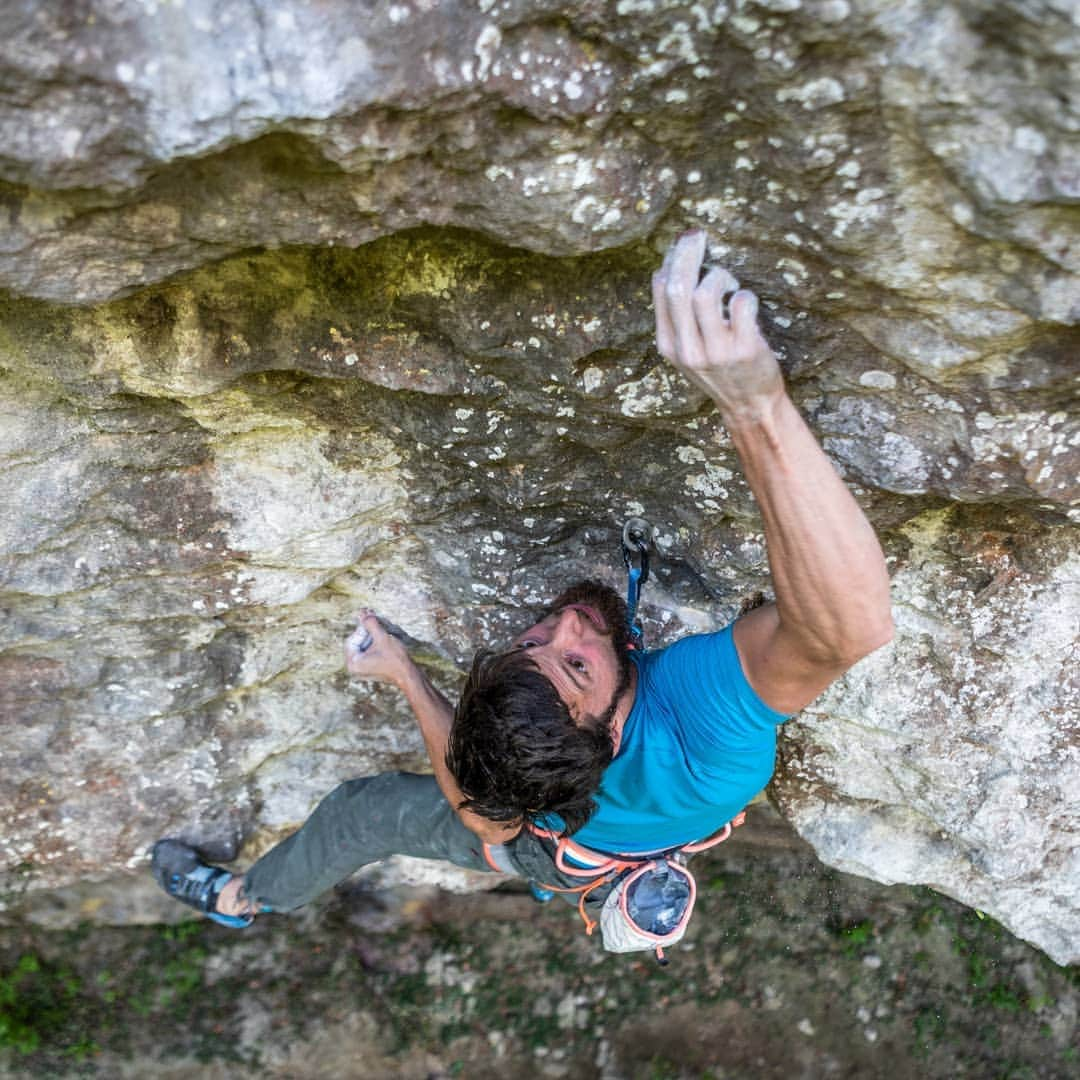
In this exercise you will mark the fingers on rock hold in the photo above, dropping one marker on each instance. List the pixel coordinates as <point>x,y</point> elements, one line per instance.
<point>709,303</point>
<point>665,333</point>
<point>744,312</point>
<point>715,285</point>
<point>681,273</point>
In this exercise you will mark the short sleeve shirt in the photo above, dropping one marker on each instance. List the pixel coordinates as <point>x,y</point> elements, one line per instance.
<point>698,745</point>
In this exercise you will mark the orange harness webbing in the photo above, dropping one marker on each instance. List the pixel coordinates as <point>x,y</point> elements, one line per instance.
<point>601,868</point>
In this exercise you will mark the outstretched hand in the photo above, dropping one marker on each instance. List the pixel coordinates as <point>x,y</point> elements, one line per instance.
<point>385,660</point>
<point>724,355</point>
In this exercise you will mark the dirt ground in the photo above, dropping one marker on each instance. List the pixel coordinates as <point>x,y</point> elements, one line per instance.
<point>789,970</point>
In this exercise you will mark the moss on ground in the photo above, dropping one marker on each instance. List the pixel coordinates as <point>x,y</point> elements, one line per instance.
<point>789,970</point>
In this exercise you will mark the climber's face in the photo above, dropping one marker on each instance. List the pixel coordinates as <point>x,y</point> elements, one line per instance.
<point>580,647</point>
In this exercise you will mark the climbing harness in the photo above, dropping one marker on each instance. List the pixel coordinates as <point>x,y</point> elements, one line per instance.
<point>652,895</point>
<point>636,535</point>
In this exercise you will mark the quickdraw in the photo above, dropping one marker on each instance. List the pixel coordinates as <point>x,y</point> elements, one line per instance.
<point>636,536</point>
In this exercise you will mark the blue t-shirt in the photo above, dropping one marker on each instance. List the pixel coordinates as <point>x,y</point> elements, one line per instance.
<point>698,745</point>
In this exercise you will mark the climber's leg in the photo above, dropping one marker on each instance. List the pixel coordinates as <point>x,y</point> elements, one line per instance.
<point>358,823</point>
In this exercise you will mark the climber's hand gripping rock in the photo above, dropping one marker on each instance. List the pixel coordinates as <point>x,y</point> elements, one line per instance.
<point>384,660</point>
<point>720,351</point>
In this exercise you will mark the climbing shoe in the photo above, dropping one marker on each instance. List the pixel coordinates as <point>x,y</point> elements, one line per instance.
<point>178,869</point>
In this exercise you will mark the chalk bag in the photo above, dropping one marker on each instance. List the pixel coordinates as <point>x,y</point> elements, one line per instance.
<point>649,907</point>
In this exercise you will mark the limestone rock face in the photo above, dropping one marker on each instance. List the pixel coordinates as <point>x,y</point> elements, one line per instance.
<point>309,307</point>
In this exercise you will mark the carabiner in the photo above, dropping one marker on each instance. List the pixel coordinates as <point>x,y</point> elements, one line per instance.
<point>637,533</point>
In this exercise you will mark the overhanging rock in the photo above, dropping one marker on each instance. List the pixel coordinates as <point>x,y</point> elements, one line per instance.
<point>306,310</point>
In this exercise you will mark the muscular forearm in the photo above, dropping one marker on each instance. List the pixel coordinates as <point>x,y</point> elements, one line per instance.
<point>832,588</point>
<point>383,658</point>
<point>434,716</point>
<point>832,591</point>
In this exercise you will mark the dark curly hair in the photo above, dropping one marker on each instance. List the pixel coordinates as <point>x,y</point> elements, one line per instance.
<point>516,752</point>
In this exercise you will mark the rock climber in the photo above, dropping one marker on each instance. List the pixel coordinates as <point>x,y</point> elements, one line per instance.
<point>570,732</point>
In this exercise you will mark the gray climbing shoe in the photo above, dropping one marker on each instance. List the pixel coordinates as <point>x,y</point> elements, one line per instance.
<point>178,869</point>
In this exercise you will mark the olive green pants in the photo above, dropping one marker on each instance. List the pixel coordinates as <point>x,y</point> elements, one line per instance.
<point>374,817</point>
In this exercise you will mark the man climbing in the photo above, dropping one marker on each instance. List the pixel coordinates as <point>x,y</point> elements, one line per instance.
<point>568,731</point>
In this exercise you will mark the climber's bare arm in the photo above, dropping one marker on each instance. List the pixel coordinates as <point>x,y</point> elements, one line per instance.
<point>387,660</point>
<point>832,587</point>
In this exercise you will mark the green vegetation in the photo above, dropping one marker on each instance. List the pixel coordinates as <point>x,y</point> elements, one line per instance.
<point>857,936</point>
<point>36,1004</point>
<point>783,958</point>
<point>929,1025</point>
<point>54,1011</point>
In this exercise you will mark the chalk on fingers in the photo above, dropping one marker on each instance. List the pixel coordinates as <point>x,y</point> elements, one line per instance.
<point>359,640</point>
<point>744,311</point>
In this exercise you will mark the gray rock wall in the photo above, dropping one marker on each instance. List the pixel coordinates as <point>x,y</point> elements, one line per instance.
<point>308,307</point>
